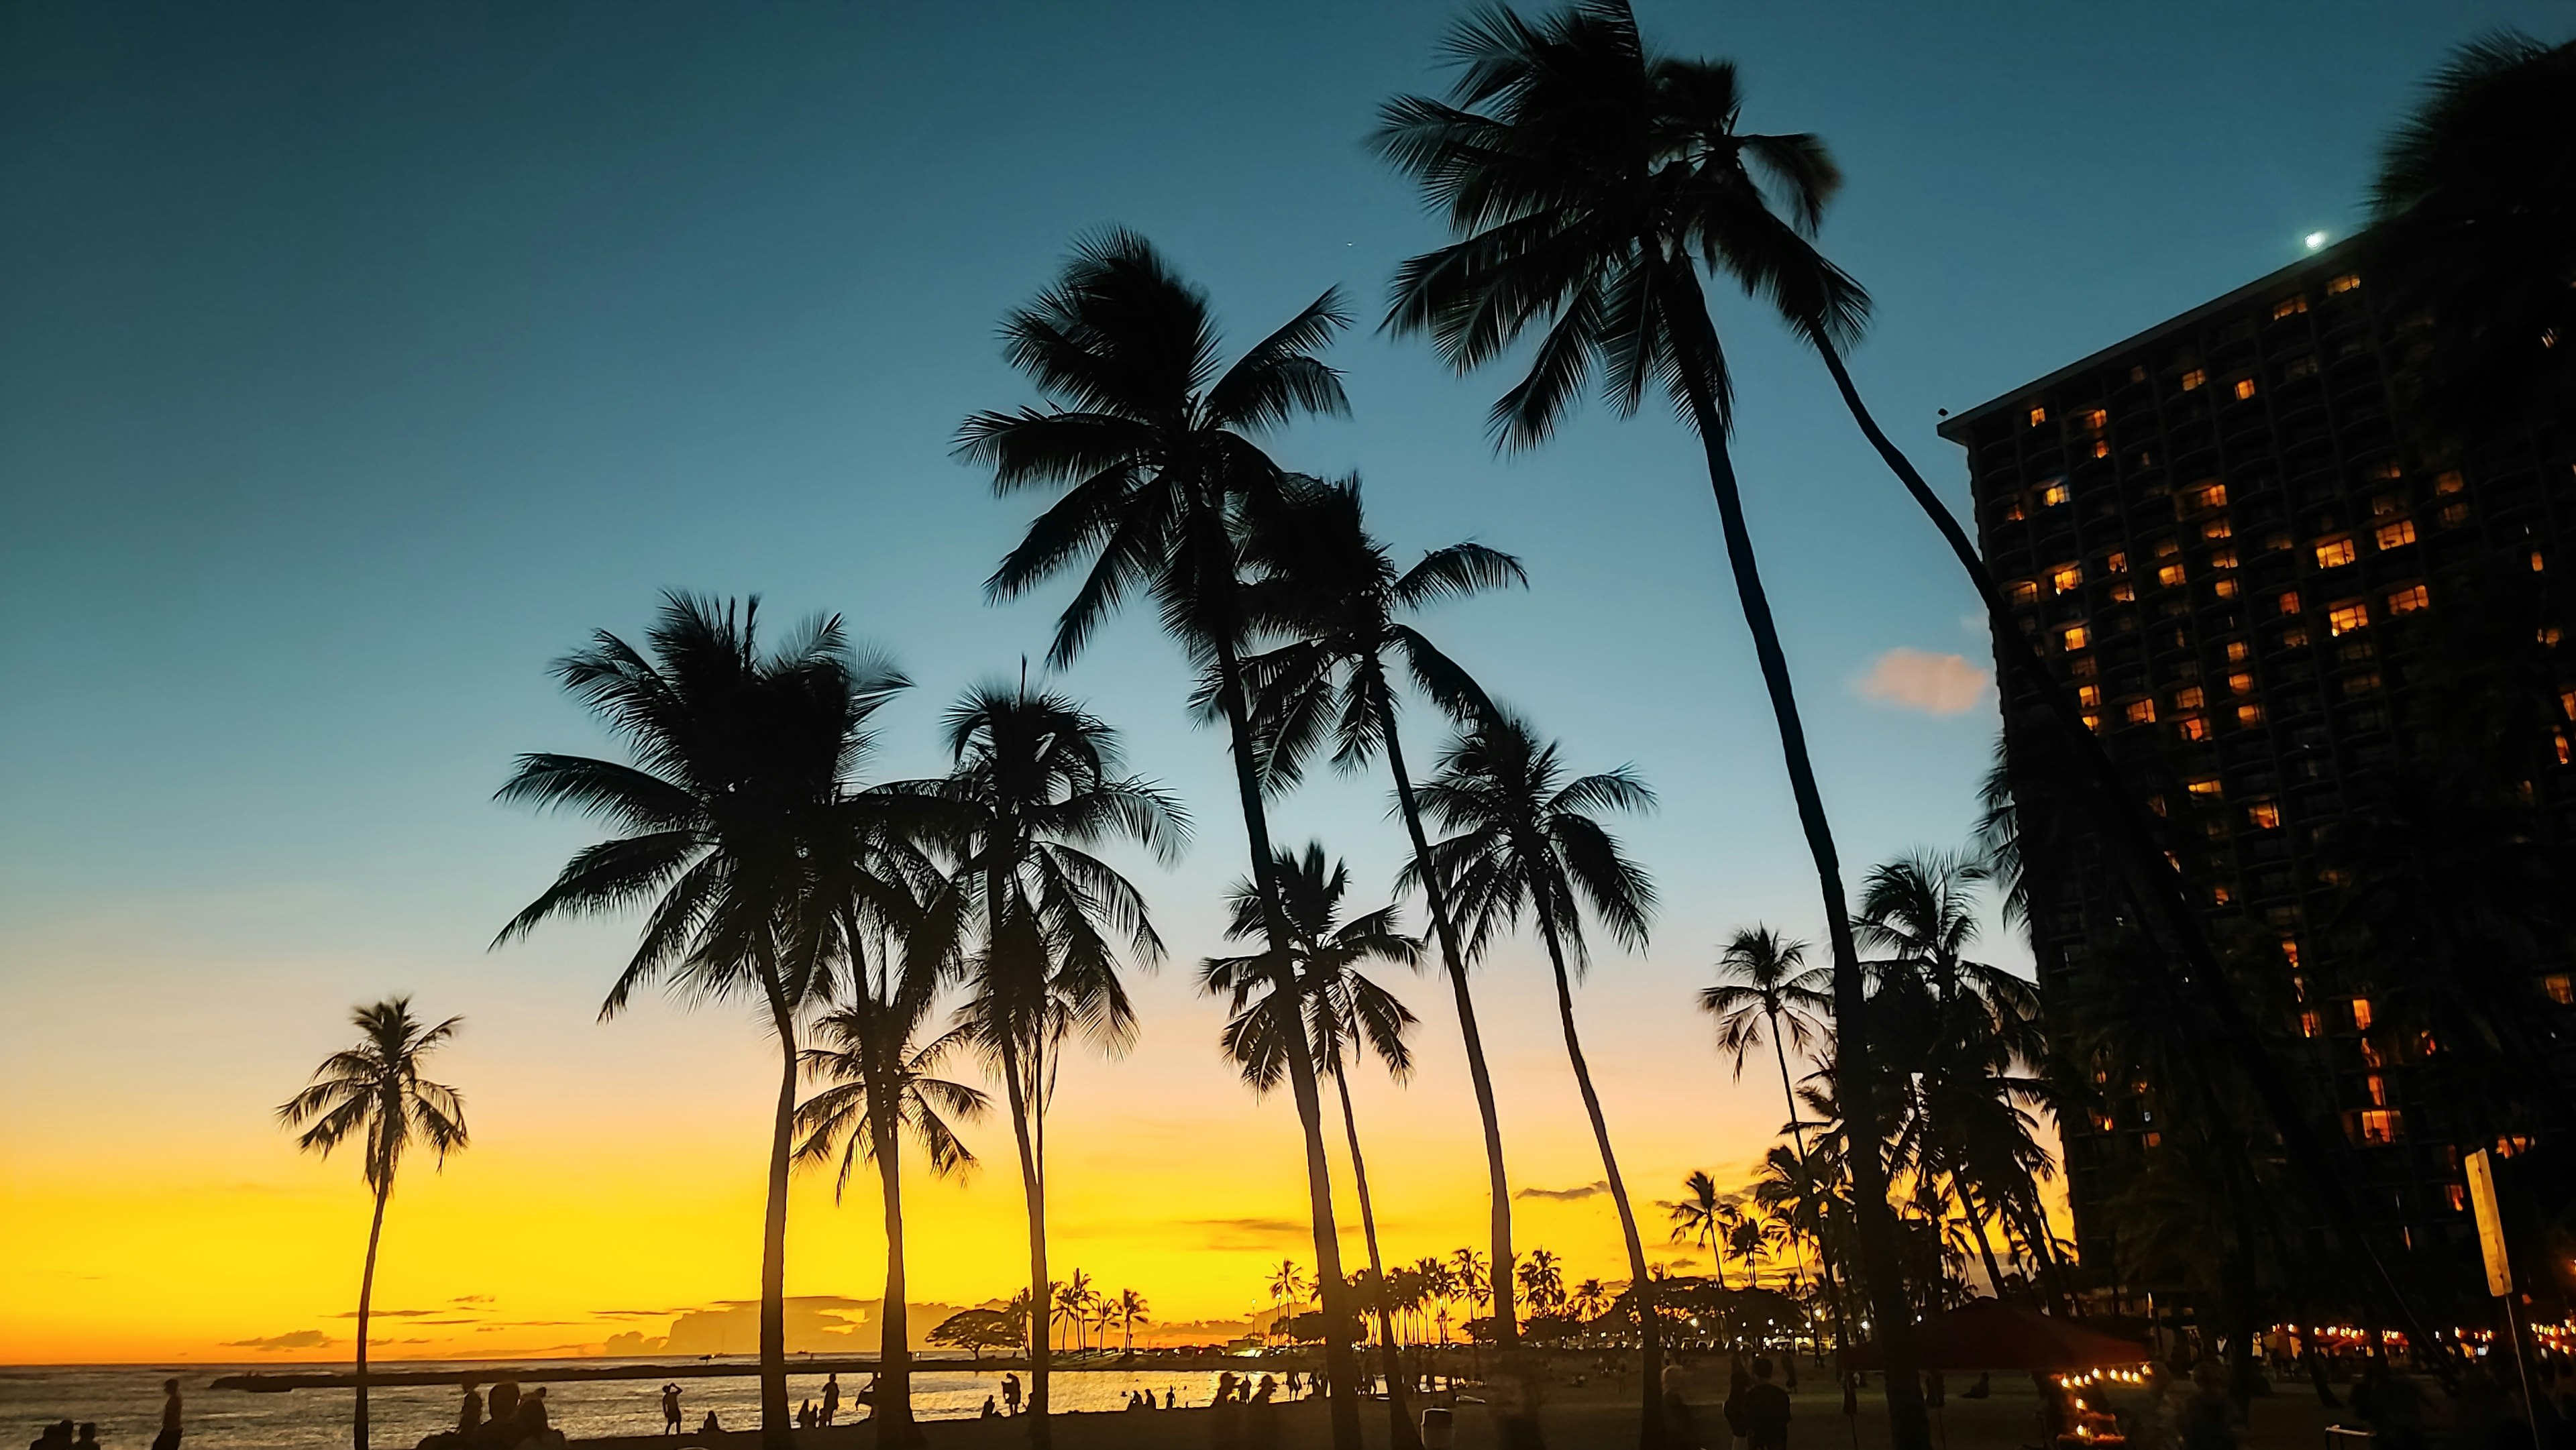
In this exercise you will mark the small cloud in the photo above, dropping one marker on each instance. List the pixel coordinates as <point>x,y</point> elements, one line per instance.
<point>294,1339</point>
<point>1248,1232</point>
<point>1913,679</point>
<point>471,1299</point>
<point>1566,1195</point>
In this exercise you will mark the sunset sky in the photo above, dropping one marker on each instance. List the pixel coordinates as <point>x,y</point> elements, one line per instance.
<point>356,362</point>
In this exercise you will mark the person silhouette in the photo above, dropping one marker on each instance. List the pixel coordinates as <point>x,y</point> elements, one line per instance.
<point>1010,1394</point>
<point>988,1411</point>
<point>168,1439</point>
<point>88,1435</point>
<point>504,1406</point>
<point>469,1411</point>
<point>670,1409</point>
<point>55,1434</point>
<point>831,1397</point>
<point>1167,1397</point>
<point>711,1425</point>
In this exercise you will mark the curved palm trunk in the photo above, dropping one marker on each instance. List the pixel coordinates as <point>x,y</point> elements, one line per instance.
<point>893,1407</point>
<point>2157,887</point>
<point>1824,1260</point>
<point>1650,1429</point>
<point>1341,1367</point>
<point>1977,1225</point>
<point>366,1306</point>
<point>1400,1431</point>
<point>1435,896</point>
<point>1875,1226</point>
<point>1041,1299</point>
<point>777,1426</point>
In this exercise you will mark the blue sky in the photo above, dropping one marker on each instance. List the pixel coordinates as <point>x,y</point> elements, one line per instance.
<point>356,362</point>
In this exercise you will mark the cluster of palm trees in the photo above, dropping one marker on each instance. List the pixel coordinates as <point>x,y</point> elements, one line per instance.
<point>1085,1310</point>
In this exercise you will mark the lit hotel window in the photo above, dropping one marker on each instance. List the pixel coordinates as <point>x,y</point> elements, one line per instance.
<point>2116,562</point>
<point>2065,577</point>
<point>2345,618</point>
<point>2560,988</point>
<point>2407,601</point>
<point>2375,1085</point>
<point>2241,683</point>
<point>2089,696</point>
<point>2170,575</point>
<point>2052,493</point>
<point>2539,562</point>
<point>2244,389</point>
<point>2249,715</point>
<point>2265,815</point>
<point>2038,416</point>
<point>2187,698</point>
<point>2361,1013</point>
<point>2459,1196</point>
<point>2193,727</point>
<point>2206,496</point>
<point>2340,285</point>
<point>2101,449</point>
<point>2290,602</point>
<point>2141,712</point>
<point>2382,505</point>
<point>2093,419</point>
<point>2207,785</point>
<point>2395,536</point>
<point>2022,591</point>
<point>2237,651</point>
<point>2074,637</point>
<point>2225,588</point>
<point>2310,1024</point>
<point>2192,379</point>
<point>2216,529</point>
<point>2381,1125</point>
<point>2289,307</point>
<point>2334,553</point>
<point>2450,482</point>
<point>2122,592</point>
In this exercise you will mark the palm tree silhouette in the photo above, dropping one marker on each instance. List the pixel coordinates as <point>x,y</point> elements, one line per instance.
<point>1325,581</point>
<point>1696,1218</point>
<point>737,814</point>
<point>1130,1307</point>
<point>1590,179</point>
<point>1034,780</point>
<point>1345,1015</point>
<point>1154,438</point>
<point>1766,993</point>
<point>885,1088</point>
<point>1073,1301</point>
<point>1542,1277</point>
<point>1287,1287</point>
<point>1528,846</point>
<point>374,1092</point>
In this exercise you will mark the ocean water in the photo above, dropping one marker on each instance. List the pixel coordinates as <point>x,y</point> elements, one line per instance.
<point>125,1401</point>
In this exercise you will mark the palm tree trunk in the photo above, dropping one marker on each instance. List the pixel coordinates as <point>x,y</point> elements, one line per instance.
<point>1400,1431</point>
<point>1908,1425</point>
<point>777,1426</point>
<point>366,1306</point>
<point>1041,1296</point>
<point>894,1342</point>
<point>1650,1429</point>
<point>1435,896</point>
<point>1977,1225</point>
<point>1341,1367</point>
<point>2154,882</point>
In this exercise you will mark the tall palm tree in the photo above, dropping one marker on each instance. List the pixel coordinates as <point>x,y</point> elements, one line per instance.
<point>1696,1218</point>
<point>1763,995</point>
<point>1155,439</point>
<point>1130,1308</point>
<point>1038,922</point>
<point>738,810</point>
<point>1344,1014</point>
<point>1287,1288</point>
<point>1589,180</point>
<point>1324,580</point>
<point>1542,1277</point>
<point>1528,846</point>
<point>885,1088</point>
<point>374,1092</point>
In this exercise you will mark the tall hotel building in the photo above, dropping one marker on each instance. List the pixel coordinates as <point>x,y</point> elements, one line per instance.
<point>2218,531</point>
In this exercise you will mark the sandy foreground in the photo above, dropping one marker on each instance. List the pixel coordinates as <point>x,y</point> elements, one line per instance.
<point>1573,1419</point>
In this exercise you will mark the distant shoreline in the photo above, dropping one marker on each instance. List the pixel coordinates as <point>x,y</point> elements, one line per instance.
<point>578,1371</point>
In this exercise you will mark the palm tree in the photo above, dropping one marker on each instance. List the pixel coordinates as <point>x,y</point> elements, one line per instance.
<point>1764,993</point>
<point>1542,1277</point>
<point>1154,439</point>
<point>1072,1302</point>
<point>1345,1015</point>
<point>1325,581</point>
<point>1130,1308</point>
<point>1287,1287</point>
<point>2470,212</point>
<point>1696,1218</point>
<point>1589,1299</point>
<point>885,1088</point>
<point>1035,779</point>
<point>1589,179</point>
<point>1527,845</point>
<point>374,1091</point>
<point>736,814</point>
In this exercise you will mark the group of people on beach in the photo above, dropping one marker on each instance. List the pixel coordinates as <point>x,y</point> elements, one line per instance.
<point>65,1435</point>
<point>512,1420</point>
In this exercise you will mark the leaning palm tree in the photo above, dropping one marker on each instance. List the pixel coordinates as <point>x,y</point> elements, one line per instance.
<point>885,1088</point>
<point>1155,438</point>
<point>374,1092</point>
<point>1130,1307</point>
<point>1528,847</point>
<point>741,825</point>
<point>1033,917</point>
<point>1763,995</point>
<point>1322,579</point>
<point>1345,1015</point>
<point>1590,179</point>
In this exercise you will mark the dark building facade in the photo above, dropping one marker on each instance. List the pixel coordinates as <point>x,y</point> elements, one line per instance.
<point>2220,532</point>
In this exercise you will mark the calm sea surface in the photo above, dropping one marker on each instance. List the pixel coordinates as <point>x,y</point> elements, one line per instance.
<point>125,1400</point>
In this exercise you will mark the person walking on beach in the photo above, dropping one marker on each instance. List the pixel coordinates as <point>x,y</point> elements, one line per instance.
<point>1764,1410</point>
<point>831,1397</point>
<point>168,1439</point>
<point>670,1409</point>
